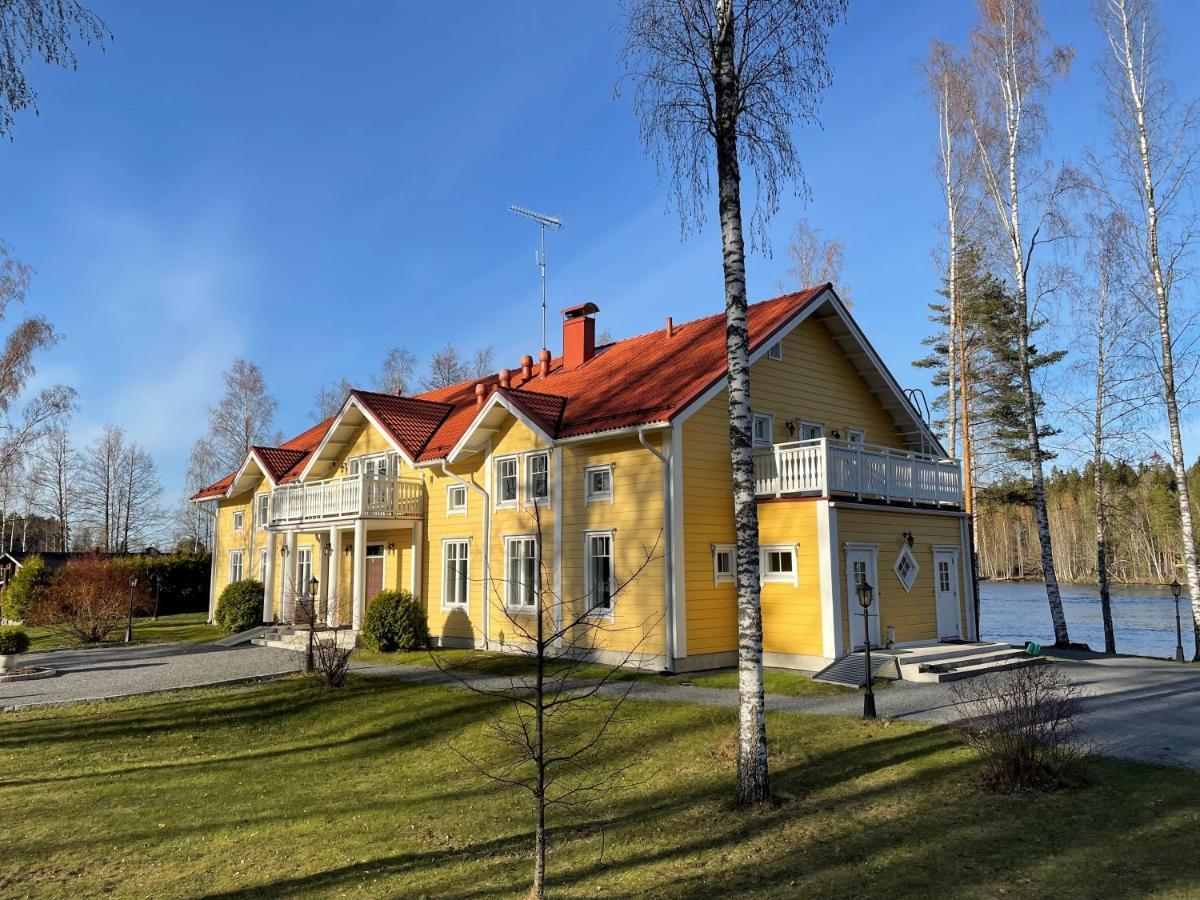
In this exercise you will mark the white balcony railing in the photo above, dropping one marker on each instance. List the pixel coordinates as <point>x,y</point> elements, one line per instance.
<point>823,467</point>
<point>352,496</point>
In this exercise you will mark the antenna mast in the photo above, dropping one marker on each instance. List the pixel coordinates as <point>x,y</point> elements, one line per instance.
<point>542,221</point>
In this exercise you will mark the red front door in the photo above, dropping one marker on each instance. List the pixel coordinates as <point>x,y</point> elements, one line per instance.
<point>374,570</point>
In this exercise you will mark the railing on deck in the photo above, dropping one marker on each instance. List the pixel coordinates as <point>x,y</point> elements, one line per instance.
<point>351,496</point>
<point>824,467</point>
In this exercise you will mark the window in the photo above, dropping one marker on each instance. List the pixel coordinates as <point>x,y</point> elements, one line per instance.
<point>855,437</point>
<point>945,585</point>
<point>776,351</point>
<point>375,464</point>
<point>303,569</point>
<point>906,567</point>
<point>262,505</point>
<point>520,572</point>
<point>809,430</point>
<point>235,566</point>
<point>723,563</point>
<point>456,572</point>
<point>506,481</point>
<point>599,572</point>
<point>598,484</point>
<point>537,477</point>
<point>764,426</point>
<point>456,500</point>
<point>777,564</point>
<point>262,565</point>
<point>239,521</point>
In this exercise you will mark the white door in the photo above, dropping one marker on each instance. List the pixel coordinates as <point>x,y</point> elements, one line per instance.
<point>945,581</point>
<point>860,567</point>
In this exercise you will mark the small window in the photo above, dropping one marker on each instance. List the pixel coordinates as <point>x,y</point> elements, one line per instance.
<point>537,477</point>
<point>945,585</point>
<point>778,564</point>
<point>520,572</point>
<point>906,567</point>
<point>810,430</point>
<point>764,427</point>
<point>262,565</point>
<point>262,506</point>
<point>303,570</point>
<point>456,576</point>
<point>723,563</point>
<point>506,481</point>
<point>855,437</point>
<point>239,521</point>
<point>599,572</point>
<point>598,485</point>
<point>456,500</point>
<point>776,351</point>
<point>235,566</point>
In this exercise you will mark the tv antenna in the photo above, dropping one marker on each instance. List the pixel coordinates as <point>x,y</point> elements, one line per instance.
<point>542,221</point>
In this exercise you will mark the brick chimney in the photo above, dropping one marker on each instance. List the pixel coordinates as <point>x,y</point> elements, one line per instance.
<point>526,367</point>
<point>544,362</point>
<point>579,335</point>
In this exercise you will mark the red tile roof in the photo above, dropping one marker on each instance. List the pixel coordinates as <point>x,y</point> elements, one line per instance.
<point>298,449</point>
<point>640,380</point>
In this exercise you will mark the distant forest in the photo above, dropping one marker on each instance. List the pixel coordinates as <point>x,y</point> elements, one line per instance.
<point>1143,520</point>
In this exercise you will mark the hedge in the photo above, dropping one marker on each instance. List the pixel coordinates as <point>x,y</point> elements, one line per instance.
<point>240,606</point>
<point>26,588</point>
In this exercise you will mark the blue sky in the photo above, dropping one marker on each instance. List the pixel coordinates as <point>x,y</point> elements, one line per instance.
<point>308,185</point>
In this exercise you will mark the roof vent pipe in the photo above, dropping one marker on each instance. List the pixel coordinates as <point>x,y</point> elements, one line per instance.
<point>670,327</point>
<point>526,367</point>
<point>544,362</point>
<point>505,378</point>
<point>480,390</point>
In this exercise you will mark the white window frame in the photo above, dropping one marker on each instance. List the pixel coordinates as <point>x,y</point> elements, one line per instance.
<point>304,570</point>
<point>776,351</point>
<point>819,427</point>
<point>509,540</point>
<point>530,497</point>
<point>262,565</point>
<point>516,476</point>
<point>729,577</point>
<point>236,562</point>
<point>357,464</point>
<point>448,602</point>
<point>602,496</point>
<point>855,435</point>
<point>766,577</point>
<point>239,521</point>
<point>906,552</point>
<point>262,509</point>
<point>588,584</point>
<point>755,419</point>
<point>453,509</point>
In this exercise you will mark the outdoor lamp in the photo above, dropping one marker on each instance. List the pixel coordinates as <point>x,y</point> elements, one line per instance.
<point>1176,591</point>
<point>129,621</point>
<point>312,586</point>
<point>866,596</point>
<point>283,551</point>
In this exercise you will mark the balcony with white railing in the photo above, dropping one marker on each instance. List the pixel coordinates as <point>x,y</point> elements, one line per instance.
<point>822,467</point>
<point>365,495</point>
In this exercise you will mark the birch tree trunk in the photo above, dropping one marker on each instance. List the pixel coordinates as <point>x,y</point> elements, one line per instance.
<point>752,780</point>
<point>1110,640</point>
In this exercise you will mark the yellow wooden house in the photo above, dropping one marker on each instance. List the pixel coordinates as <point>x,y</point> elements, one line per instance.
<point>568,476</point>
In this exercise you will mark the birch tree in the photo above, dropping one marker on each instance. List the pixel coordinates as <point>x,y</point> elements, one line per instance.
<point>1150,176</point>
<point>329,400</point>
<point>55,473</point>
<point>396,375</point>
<point>816,259</point>
<point>242,418</point>
<point>1012,68</point>
<point>718,84</point>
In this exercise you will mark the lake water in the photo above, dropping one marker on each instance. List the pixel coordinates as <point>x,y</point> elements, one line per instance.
<point>1143,616</point>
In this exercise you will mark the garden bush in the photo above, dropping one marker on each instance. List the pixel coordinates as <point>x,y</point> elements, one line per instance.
<point>13,640</point>
<point>87,599</point>
<point>395,620</point>
<point>240,606</point>
<point>26,588</point>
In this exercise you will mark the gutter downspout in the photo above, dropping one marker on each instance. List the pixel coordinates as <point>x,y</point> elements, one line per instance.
<point>668,538</point>
<point>487,542</point>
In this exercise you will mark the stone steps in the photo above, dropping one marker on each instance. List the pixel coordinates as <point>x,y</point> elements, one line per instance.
<point>296,639</point>
<point>965,662</point>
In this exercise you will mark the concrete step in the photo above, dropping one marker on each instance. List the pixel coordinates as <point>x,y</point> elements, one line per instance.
<point>968,668</point>
<point>297,640</point>
<point>942,652</point>
<point>959,662</point>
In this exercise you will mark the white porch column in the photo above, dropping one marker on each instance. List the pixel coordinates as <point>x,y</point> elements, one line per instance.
<point>269,580</point>
<point>360,572</point>
<point>323,545</point>
<point>333,577</point>
<point>414,580</point>
<point>289,578</point>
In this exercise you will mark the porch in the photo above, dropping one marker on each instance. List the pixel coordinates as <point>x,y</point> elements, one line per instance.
<point>822,467</point>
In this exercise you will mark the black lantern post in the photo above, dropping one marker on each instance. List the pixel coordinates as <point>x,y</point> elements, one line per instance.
<point>1176,590</point>
<point>866,596</point>
<point>312,621</point>
<point>157,588</point>
<point>129,622</point>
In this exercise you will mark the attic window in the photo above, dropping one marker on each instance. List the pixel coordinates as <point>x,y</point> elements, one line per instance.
<point>906,567</point>
<point>776,351</point>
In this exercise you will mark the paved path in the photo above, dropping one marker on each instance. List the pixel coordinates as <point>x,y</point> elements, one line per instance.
<point>102,672</point>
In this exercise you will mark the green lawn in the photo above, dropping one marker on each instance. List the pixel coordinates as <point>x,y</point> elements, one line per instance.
<point>191,628</point>
<point>285,789</point>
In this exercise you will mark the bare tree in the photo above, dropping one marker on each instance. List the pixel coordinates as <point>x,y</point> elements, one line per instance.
<point>55,474</point>
<point>483,362</point>
<point>719,83</point>
<point>1012,68</point>
<point>1149,177</point>
<point>329,400</point>
<point>242,418</point>
<point>397,374</point>
<point>194,521</point>
<point>552,737</point>
<point>141,514</point>
<point>45,29</point>
<point>816,259</point>
<point>447,366</point>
